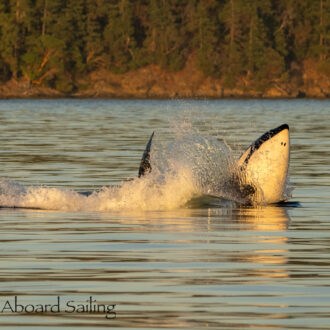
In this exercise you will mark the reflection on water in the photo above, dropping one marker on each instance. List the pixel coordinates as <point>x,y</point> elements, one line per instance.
<point>182,261</point>
<point>269,218</point>
<point>209,264</point>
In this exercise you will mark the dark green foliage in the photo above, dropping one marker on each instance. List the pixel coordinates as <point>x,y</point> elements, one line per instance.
<point>57,43</point>
<point>166,34</point>
<point>208,35</point>
<point>119,36</point>
<point>94,45</point>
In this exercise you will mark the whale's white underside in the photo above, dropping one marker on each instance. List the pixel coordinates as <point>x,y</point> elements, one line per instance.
<point>265,164</point>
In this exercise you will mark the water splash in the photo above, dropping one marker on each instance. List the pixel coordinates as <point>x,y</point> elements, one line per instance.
<point>148,193</point>
<point>190,167</point>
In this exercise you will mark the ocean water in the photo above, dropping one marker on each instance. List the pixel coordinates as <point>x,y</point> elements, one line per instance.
<point>163,257</point>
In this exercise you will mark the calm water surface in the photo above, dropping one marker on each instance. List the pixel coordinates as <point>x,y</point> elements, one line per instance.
<point>177,267</point>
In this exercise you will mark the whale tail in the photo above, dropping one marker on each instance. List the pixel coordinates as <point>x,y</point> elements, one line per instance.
<point>265,164</point>
<point>145,165</point>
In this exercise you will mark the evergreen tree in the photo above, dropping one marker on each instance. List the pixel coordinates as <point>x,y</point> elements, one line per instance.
<point>209,33</point>
<point>234,61</point>
<point>167,33</point>
<point>42,62</point>
<point>15,23</point>
<point>119,35</point>
<point>95,23</point>
<point>264,62</point>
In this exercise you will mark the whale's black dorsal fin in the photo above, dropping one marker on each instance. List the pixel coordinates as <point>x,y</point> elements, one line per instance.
<point>145,166</point>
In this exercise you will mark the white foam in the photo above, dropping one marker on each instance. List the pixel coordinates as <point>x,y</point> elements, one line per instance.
<point>189,167</point>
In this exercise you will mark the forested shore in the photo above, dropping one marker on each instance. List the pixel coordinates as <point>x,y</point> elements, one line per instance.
<point>165,49</point>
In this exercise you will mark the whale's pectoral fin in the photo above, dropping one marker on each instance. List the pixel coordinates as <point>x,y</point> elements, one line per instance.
<point>145,166</point>
<point>265,163</point>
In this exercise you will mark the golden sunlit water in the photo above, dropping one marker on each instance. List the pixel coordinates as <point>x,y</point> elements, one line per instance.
<point>162,260</point>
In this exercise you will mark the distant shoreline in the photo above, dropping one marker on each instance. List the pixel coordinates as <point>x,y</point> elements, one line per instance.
<point>100,96</point>
<point>199,98</point>
<point>152,82</point>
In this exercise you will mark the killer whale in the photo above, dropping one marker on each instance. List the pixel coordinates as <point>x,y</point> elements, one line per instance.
<point>262,169</point>
<point>264,165</point>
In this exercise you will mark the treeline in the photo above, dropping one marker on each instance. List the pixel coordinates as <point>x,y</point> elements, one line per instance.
<point>55,43</point>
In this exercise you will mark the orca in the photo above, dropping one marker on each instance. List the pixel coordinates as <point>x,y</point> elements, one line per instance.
<point>265,163</point>
<point>262,168</point>
<point>260,175</point>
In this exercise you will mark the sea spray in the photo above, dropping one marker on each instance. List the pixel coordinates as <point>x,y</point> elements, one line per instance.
<point>189,167</point>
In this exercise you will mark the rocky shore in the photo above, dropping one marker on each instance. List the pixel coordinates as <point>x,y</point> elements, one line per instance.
<point>153,82</point>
